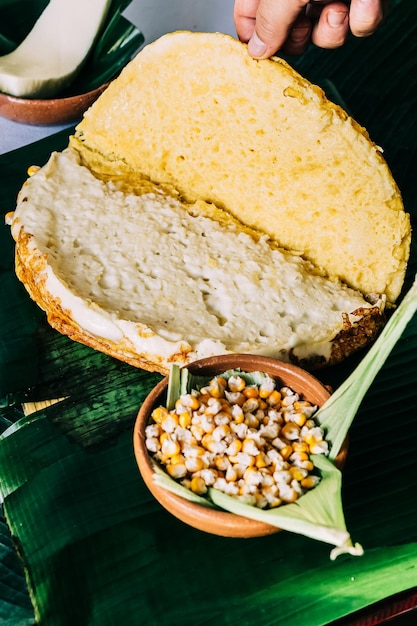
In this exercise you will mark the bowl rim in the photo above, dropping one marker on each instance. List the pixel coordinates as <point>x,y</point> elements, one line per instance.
<point>196,515</point>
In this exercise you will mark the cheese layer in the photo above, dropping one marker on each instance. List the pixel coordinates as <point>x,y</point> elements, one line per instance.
<point>167,277</point>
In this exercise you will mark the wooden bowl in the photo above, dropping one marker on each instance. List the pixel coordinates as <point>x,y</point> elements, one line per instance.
<point>45,112</point>
<point>216,521</point>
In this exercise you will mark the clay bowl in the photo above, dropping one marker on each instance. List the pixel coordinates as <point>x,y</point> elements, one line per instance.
<point>216,521</point>
<point>47,111</point>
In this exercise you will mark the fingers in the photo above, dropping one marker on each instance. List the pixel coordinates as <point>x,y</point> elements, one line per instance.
<point>270,25</point>
<point>365,17</point>
<point>265,24</point>
<point>332,27</point>
<point>298,37</point>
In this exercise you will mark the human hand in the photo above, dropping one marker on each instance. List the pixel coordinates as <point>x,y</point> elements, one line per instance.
<point>289,25</point>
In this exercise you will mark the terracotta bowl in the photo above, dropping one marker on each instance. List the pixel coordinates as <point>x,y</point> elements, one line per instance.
<point>48,111</point>
<point>216,521</point>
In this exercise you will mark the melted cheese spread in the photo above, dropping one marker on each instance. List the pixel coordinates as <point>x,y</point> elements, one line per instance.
<point>166,279</point>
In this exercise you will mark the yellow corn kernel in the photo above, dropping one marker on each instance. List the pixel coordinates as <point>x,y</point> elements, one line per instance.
<point>261,460</point>
<point>194,464</point>
<point>178,470</point>
<point>250,392</point>
<point>319,447</point>
<point>231,474</point>
<point>298,418</point>
<point>274,398</point>
<point>299,405</point>
<point>192,402</point>
<point>170,448</point>
<point>226,408</point>
<point>159,414</point>
<point>194,451</point>
<point>300,446</point>
<point>216,388</point>
<point>212,407</point>
<point>250,447</point>
<point>222,381</point>
<point>170,423</point>
<point>222,463</point>
<point>177,458</point>
<point>222,419</point>
<point>234,447</point>
<point>238,415</point>
<point>287,401</point>
<point>220,432</point>
<point>164,437</point>
<point>297,473</point>
<point>212,445</point>
<point>286,452</point>
<point>198,485</point>
<point>298,457</point>
<point>264,392</point>
<point>204,397</point>
<point>310,482</point>
<point>236,383</point>
<point>197,431</point>
<point>184,419</point>
<point>251,420</point>
<point>251,476</point>
<point>308,465</point>
<point>32,169</point>
<point>290,431</point>
<point>267,385</point>
<point>287,493</point>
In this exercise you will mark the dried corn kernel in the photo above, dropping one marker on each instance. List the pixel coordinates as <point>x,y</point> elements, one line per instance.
<point>252,442</point>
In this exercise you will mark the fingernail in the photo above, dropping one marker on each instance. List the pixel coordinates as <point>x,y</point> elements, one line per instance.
<point>336,18</point>
<point>256,47</point>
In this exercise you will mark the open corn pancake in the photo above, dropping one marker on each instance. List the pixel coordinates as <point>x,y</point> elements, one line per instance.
<point>210,203</point>
<point>152,280</point>
<point>196,111</point>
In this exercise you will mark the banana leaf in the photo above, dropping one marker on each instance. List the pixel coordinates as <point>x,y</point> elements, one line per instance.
<point>94,545</point>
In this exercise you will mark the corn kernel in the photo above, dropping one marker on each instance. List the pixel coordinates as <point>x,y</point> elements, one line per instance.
<point>298,418</point>
<point>32,169</point>
<point>236,383</point>
<point>190,401</point>
<point>170,423</point>
<point>238,415</point>
<point>177,458</point>
<point>216,388</point>
<point>194,464</point>
<point>261,460</point>
<point>309,482</point>
<point>286,452</point>
<point>250,447</point>
<point>184,419</point>
<point>234,447</point>
<point>222,463</point>
<point>198,485</point>
<point>170,447</point>
<point>298,473</point>
<point>250,392</point>
<point>290,431</point>
<point>178,470</point>
<point>159,414</point>
<point>300,446</point>
<point>274,398</point>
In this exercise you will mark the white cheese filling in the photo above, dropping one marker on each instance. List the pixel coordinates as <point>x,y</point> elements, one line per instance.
<point>143,268</point>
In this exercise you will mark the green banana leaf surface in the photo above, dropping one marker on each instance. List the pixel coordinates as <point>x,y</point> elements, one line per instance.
<point>83,542</point>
